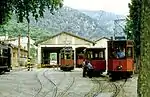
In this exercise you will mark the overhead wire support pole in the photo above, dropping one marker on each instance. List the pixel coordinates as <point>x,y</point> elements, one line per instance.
<point>28,46</point>
<point>116,25</point>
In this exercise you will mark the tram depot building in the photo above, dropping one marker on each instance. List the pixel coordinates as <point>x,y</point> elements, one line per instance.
<point>55,43</point>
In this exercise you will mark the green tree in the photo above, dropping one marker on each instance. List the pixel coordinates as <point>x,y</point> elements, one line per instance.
<point>134,27</point>
<point>23,8</point>
<point>129,29</point>
<point>144,73</point>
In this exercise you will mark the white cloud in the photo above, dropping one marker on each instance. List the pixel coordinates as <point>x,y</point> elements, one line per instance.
<point>116,6</point>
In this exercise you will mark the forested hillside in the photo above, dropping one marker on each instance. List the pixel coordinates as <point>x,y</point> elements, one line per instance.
<point>91,25</point>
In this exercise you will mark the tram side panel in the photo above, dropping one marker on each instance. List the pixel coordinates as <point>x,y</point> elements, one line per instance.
<point>96,56</point>
<point>99,65</point>
<point>130,66</point>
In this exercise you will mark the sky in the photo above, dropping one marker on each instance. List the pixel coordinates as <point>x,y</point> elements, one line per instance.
<point>115,6</point>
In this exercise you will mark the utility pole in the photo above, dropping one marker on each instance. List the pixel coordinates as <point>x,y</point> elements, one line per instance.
<point>119,31</point>
<point>28,44</point>
<point>114,32</point>
<point>19,49</point>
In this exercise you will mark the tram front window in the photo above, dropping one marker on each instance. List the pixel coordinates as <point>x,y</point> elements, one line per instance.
<point>68,56</point>
<point>119,53</point>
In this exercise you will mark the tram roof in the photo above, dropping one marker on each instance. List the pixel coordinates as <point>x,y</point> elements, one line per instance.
<point>119,40</point>
<point>95,48</point>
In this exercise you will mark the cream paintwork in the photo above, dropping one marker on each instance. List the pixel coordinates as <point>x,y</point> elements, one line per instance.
<point>61,41</point>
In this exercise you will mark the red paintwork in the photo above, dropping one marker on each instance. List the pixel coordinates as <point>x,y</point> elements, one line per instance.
<point>67,62</point>
<point>79,61</point>
<point>127,64</point>
<point>99,65</point>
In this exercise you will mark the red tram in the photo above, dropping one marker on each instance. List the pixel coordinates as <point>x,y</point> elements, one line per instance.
<point>96,56</point>
<point>67,56</point>
<point>80,59</point>
<point>120,58</point>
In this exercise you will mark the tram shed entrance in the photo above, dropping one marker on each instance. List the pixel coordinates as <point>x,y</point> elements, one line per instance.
<point>50,56</point>
<point>79,56</point>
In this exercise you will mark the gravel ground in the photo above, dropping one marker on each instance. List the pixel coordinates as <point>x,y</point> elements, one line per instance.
<point>56,83</point>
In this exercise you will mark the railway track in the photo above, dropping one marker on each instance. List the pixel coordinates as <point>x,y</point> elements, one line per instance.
<point>41,86</point>
<point>41,89</point>
<point>97,89</point>
<point>38,93</point>
<point>118,87</point>
<point>105,85</point>
<point>62,94</point>
<point>55,86</point>
<point>52,85</point>
<point>52,90</point>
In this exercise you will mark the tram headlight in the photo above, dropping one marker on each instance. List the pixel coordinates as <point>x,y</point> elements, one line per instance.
<point>119,67</point>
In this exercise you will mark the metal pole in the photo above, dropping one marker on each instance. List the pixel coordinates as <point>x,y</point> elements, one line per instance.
<point>28,41</point>
<point>19,49</point>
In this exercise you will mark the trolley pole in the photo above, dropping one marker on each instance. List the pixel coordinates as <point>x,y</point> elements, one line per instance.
<point>28,45</point>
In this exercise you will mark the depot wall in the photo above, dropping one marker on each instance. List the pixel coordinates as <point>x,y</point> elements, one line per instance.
<point>62,40</point>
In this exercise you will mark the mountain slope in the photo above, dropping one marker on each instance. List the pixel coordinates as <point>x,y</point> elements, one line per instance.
<point>66,19</point>
<point>106,19</point>
<point>71,20</point>
<point>102,15</point>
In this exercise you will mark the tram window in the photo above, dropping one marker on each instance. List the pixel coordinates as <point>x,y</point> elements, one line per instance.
<point>4,52</point>
<point>96,55</point>
<point>88,55</point>
<point>91,55</point>
<point>62,56</point>
<point>101,55</point>
<point>68,56</point>
<point>129,52</point>
<point>117,52</point>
